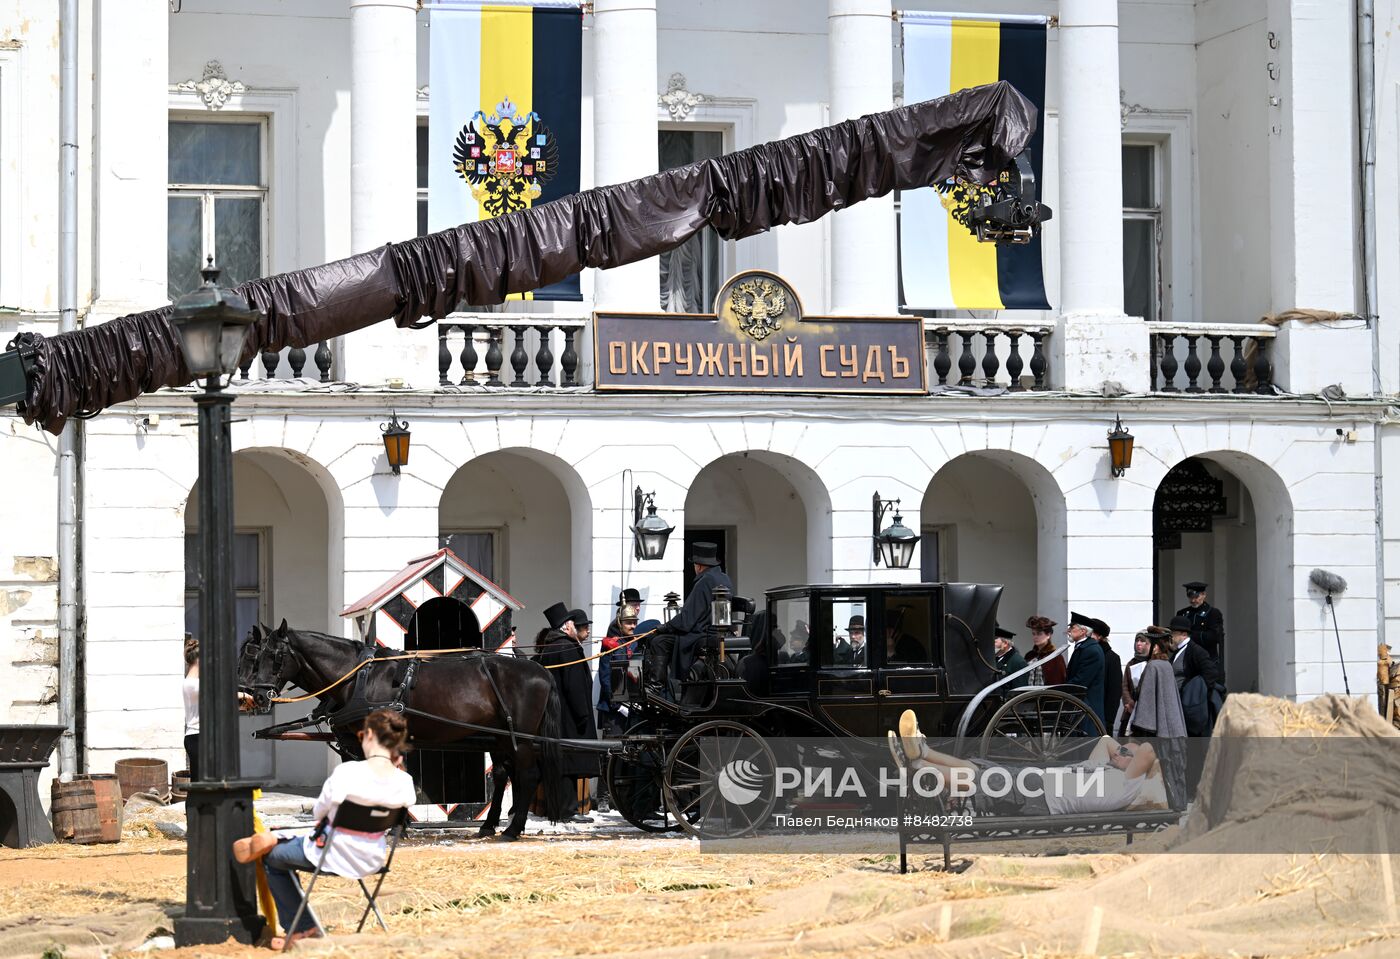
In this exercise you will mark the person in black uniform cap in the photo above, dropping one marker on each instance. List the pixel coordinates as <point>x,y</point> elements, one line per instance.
<point>1112,672</point>
<point>562,650</point>
<point>672,650</point>
<point>1086,666</point>
<point>1207,622</point>
<point>1009,659</point>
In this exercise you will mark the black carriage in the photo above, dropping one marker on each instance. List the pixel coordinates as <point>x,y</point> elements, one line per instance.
<point>798,673</point>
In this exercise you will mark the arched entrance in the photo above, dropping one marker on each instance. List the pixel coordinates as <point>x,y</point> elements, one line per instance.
<point>288,564</point>
<point>523,519</point>
<point>770,516</point>
<point>1226,519</point>
<point>998,517</point>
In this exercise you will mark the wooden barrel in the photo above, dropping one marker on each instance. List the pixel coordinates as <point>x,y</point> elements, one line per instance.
<point>107,794</point>
<point>180,785</point>
<point>143,776</point>
<point>74,812</point>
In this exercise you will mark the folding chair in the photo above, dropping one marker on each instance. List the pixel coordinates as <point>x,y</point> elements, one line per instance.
<point>352,816</point>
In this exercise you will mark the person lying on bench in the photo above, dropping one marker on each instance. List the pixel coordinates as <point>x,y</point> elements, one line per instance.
<point>1123,776</point>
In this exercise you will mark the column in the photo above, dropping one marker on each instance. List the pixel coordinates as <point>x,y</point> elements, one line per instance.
<point>131,79</point>
<point>624,131</point>
<point>860,64</point>
<point>383,176</point>
<point>1095,341</point>
<point>1315,248</point>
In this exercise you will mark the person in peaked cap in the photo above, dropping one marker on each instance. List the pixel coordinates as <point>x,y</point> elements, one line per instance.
<point>1009,660</point>
<point>1112,672</point>
<point>1086,667</point>
<point>1207,622</point>
<point>562,653</point>
<point>672,651</point>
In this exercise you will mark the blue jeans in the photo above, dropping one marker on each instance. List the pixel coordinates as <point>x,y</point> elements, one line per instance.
<point>281,863</point>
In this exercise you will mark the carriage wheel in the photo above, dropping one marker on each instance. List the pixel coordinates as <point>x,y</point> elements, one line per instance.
<point>719,780</point>
<point>634,785</point>
<point>1040,726</point>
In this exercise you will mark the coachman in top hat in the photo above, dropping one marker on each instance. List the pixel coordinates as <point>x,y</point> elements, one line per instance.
<point>673,649</point>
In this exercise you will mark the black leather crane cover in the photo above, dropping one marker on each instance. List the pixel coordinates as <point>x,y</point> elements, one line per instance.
<point>973,134</point>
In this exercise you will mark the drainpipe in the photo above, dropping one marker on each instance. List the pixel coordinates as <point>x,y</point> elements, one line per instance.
<point>70,442</point>
<point>1366,130</point>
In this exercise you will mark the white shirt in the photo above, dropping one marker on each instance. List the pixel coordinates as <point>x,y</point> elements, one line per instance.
<point>1114,791</point>
<point>1182,648</point>
<point>191,691</point>
<point>370,783</point>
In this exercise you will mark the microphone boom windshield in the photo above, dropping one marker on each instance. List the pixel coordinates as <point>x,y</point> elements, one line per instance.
<point>1328,582</point>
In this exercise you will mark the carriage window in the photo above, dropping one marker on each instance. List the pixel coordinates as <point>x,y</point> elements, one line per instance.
<point>844,621</point>
<point>791,632</point>
<point>909,630</point>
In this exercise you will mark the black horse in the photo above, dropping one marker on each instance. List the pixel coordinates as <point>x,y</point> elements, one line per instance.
<point>476,689</point>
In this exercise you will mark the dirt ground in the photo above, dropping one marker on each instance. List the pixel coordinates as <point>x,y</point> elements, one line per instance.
<point>663,897</point>
<point>1185,892</point>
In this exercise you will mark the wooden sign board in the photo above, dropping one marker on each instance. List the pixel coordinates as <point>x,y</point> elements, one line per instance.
<point>758,340</point>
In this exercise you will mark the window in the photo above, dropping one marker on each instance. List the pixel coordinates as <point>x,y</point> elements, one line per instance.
<point>218,201</point>
<point>909,630</point>
<point>845,621</point>
<point>249,582</point>
<point>935,554</point>
<point>791,632</point>
<point>476,548</point>
<point>692,273</point>
<point>1142,230</point>
<point>423,189</point>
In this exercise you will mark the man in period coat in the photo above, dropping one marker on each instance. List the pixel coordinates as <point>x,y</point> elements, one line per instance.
<point>1207,622</point>
<point>1112,672</point>
<point>1009,659</point>
<point>1086,665</point>
<point>851,651</point>
<point>560,653</point>
<point>673,648</point>
<point>1199,679</point>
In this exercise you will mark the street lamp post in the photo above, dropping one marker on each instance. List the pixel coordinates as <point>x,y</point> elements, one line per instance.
<point>220,894</point>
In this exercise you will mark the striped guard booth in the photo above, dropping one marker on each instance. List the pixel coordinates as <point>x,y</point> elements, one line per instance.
<point>505,91</point>
<point>942,266</point>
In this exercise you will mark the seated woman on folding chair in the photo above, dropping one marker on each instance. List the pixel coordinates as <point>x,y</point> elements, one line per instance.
<point>377,780</point>
<point>1129,778</point>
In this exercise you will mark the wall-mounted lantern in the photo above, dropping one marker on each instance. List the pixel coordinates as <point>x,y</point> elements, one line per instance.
<point>396,439</point>
<point>649,533</point>
<point>1120,448</point>
<point>894,545</point>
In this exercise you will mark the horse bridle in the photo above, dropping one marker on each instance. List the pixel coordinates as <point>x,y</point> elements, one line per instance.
<point>253,653</point>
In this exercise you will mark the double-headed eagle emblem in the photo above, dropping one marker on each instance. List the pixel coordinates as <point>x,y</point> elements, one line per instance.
<point>506,157</point>
<point>759,304</point>
<point>959,196</point>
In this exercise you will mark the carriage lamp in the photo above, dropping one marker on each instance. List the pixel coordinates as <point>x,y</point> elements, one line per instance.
<point>673,606</point>
<point>212,322</point>
<point>650,532</point>
<point>894,545</point>
<point>1120,448</point>
<point>396,438</point>
<point>721,615</point>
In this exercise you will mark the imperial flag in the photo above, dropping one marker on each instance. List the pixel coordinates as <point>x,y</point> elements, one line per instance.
<point>942,266</point>
<point>505,90</point>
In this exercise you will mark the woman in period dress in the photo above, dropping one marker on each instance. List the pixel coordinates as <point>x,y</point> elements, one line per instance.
<point>1052,667</point>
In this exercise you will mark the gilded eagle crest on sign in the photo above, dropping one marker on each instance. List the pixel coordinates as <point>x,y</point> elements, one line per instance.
<point>506,157</point>
<point>759,304</point>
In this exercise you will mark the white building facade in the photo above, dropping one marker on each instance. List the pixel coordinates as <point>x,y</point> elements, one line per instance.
<point>1203,160</point>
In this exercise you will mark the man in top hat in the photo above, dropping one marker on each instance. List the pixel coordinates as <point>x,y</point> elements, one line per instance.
<point>562,652</point>
<point>1207,622</point>
<point>851,651</point>
<point>1112,671</point>
<point>672,650</point>
<point>1086,665</point>
<point>1009,659</point>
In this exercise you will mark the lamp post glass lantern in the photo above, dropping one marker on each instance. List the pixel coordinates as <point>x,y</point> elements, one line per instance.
<point>894,545</point>
<point>1120,448</point>
<point>396,440</point>
<point>673,606</point>
<point>650,533</point>
<point>220,895</point>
